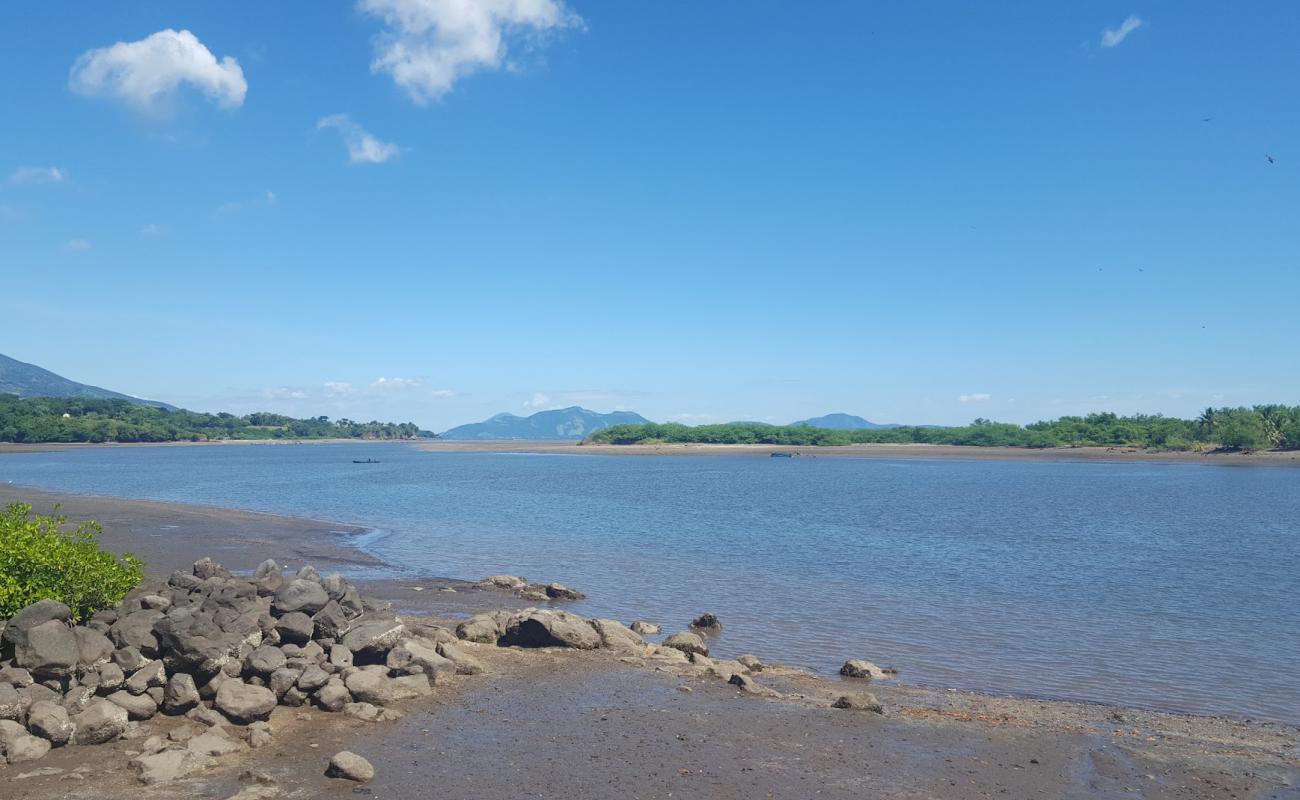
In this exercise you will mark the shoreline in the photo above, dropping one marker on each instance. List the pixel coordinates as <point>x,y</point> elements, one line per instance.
<point>653,726</point>
<point>135,525</point>
<point>1271,458</point>
<point>945,452</point>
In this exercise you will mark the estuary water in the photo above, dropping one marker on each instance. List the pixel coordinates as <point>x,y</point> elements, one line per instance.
<point>1167,586</point>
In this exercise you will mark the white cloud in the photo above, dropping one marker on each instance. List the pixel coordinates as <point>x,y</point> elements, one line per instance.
<point>1113,38</point>
<point>443,393</point>
<point>146,74</point>
<point>430,44</point>
<point>339,388</point>
<point>363,148</point>
<point>285,393</point>
<point>977,397</point>
<point>38,175</point>
<point>395,384</point>
<point>76,245</point>
<point>537,401</point>
<point>153,230</point>
<point>269,198</point>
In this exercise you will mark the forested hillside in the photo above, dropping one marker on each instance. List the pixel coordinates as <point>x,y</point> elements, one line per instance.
<point>75,419</point>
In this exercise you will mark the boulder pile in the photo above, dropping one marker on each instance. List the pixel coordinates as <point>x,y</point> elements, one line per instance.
<point>220,649</point>
<point>533,592</point>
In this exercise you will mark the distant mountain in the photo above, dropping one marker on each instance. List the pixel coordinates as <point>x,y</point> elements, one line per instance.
<point>564,423</point>
<point>842,422</point>
<point>29,380</point>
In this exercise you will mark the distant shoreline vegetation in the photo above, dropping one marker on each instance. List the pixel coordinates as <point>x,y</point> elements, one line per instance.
<point>51,420</point>
<point>1258,428</point>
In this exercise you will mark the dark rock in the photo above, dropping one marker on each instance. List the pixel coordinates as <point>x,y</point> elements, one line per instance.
<point>206,569</point>
<point>333,696</point>
<point>558,591</point>
<point>266,659</point>
<point>373,638</point>
<point>350,766</point>
<point>268,578</point>
<point>101,722</point>
<point>18,746</point>
<point>687,643</point>
<point>49,720</point>
<point>180,695</point>
<point>748,685</point>
<point>244,703</point>
<point>465,663</point>
<point>48,649</point>
<point>16,676</point>
<point>111,678</point>
<point>544,628</point>
<point>617,636</point>
<point>11,703</point>
<point>184,581</point>
<point>136,630</point>
<point>37,613</point>
<point>863,702</point>
<point>416,658</point>
<point>707,622</point>
<point>130,658</point>
<point>859,668</point>
<point>330,623</point>
<point>482,628</point>
<point>151,674</point>
<point>167,765</point>
<point>140,706</point>
<point>299,595</point>
<point>296,628</point>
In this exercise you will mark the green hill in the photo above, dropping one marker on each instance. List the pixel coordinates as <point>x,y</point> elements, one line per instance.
<point>28,380</point>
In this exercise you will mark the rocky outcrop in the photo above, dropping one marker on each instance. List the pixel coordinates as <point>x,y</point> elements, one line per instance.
<point>535,592</point>
<point>224,651</point>
<point>687,643</point>
<point>545,628</point>
<point>860,668</point>
<point>708,623</point>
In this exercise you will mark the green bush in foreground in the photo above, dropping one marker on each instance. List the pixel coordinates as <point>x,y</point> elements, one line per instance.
<point>40,560</point>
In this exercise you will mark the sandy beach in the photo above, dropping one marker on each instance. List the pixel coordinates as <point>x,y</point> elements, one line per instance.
<point>558,723</point>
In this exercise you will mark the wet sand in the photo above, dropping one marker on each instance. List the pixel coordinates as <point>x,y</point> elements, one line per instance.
<point>1100,454</point>
<point>594,725</point>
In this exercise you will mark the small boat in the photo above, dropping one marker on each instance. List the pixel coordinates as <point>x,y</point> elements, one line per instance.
<point>782,455</point>
<point>365,461</point>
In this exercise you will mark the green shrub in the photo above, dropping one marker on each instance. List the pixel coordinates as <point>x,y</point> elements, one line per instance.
<point>41,560</point>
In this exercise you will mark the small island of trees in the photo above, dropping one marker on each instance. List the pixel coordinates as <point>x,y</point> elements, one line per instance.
<point>1260,427</point>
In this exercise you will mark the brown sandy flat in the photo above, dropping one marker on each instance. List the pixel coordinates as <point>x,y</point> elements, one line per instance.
<point>564,724</point>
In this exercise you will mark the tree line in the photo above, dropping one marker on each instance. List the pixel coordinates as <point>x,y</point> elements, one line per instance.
<point>37,420</point>
<point>1260,427</point>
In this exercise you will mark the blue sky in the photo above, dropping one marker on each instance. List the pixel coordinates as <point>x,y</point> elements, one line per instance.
<point>920,212</point>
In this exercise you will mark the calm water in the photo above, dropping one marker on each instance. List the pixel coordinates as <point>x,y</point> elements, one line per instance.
<point>1156,585</point>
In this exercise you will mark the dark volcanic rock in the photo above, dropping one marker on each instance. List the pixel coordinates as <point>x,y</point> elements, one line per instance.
<point>300,595</point>
<point>544,628</point>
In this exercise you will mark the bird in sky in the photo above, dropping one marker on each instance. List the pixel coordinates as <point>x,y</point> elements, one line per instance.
<point>1270,158</point>
<point>1206,119</point>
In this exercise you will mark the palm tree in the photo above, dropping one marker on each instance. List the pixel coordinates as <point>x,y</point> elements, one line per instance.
<point>1206,421</point>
